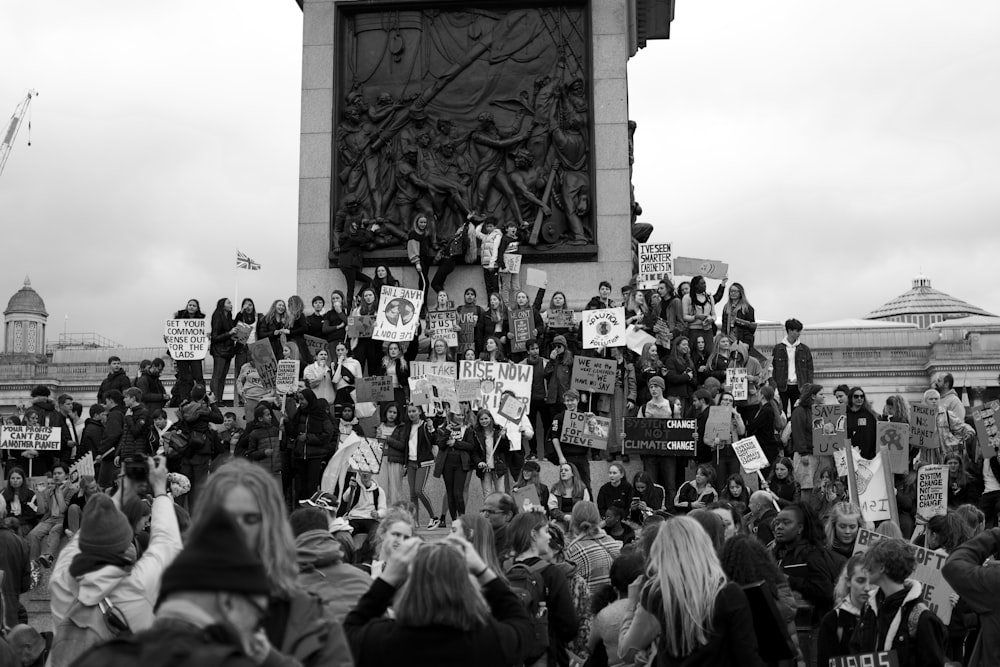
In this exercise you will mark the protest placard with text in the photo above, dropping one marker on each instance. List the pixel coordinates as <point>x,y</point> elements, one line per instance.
<point>419,369</point>
<point>421,391</point>
<point>660,437</point>
<point>707,268</point>
<point>738,383</point>
<point>511,408</point>
<point>511,263</point>
<point>42,438</point>
<point>496,377</point>
<point>655,264</point>
<point>985,419</point>
<point>521,328</point>
<point>526,497</point>
<point>593,374</point>
<point>286,378</point>
<point>719,427</point>
<point>243,331</point>
<point>896,438</point>
<point>468,389</point>
<point>398,314</point>
<point>187,340</point>
<point>937,591</point>
<point>604,327</point>
<point>262,358</point>
<point>559,318</point>
<point>443,324</point>
<point>878,659</point>
<point>367,457</point>
<point>923,427</point>
<point>829,427</point>
<point>873,486</point>
<point>932,490</point>
<point>750,454</point>
<point>315,344</point>
<point>373,389</point>
<point>360,326</point>
<point>662,332</point>
<point>585,429</point>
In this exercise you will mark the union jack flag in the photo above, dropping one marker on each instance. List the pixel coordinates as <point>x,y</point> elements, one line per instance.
<point>244,262</point>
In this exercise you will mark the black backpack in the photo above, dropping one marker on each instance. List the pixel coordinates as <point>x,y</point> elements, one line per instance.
<point>527,583</point>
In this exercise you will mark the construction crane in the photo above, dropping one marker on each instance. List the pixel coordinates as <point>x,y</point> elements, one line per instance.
<point>10,132</point>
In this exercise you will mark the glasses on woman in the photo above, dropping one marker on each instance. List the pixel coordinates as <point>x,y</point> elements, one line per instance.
<point>857,396</point>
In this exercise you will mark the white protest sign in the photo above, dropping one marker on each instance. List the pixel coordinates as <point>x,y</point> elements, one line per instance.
<point>736,378</point>
<point>707,268</point>
<point>536,278</point>
<point>932,491</point>
<point>398,314</point>
<point>750,454</point>
<point>187,340</point>
<point>421,369</point>
<point>367,457</point>
<point>496,377</point>
<point>604,327</point>
<point>287,379</point>
<point>41,438</point>
<point>655,264</point>
<point>873,494</point>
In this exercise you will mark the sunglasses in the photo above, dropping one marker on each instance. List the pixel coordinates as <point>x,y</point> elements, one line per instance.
<point>859,396</point>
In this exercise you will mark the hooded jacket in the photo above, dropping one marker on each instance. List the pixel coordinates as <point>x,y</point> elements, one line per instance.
<point>154,395</point>
<point>262,437</point>
<point>196,417</point>
<point>312,430</point>
<point>885,626</point>
<point>321,571</point>
<point>133,590</point>
<point>118,380</point>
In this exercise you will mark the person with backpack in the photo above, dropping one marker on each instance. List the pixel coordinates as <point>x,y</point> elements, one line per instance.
<point>363,503</point>
<point>895,618</point>
<point>543,589</point>
<point>98,586</point>
<point>195,417</point>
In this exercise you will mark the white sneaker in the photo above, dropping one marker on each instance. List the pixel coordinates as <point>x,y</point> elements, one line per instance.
<point>432,524</point>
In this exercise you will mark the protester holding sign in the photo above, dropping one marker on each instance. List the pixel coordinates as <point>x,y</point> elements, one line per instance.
<point>189,372</point>
<point>317,377</point>
<point>275,326</point>
<point>568,453</point>
<point>699,313</point>
<point>738,319</point>
<point>681,379</point>
<point>802,437</point>
<point>861,424</point>
<point>367,350</point>
<point>394,366</point>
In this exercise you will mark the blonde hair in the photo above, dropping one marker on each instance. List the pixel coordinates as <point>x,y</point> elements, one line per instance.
<point>393,515</point>
<point>439,591</point>
<point>688,576</point>
<point>841,509</point>
<point>277,544</point>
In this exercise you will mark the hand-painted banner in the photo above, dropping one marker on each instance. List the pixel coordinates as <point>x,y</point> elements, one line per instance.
<point>737,380</point>
<point>443,324</point>
<point>660,437</point>
<point>937,591</point>
<point>879,659</point>
<point>420,369</point>
<point>873,490</point>
<point>560,319</point>
<point>374,389</point>
<point>896,438</point>
<point>985,418</point>
<point>360,326</point>
<point>521,327</point>
<point>829,426</point>
<point>708,268</point>
<point>719,427</point>
<point>262,358</point>
<point>603,328</point>
<point>495,378</point>
<point>593,374</point>
<point>923,427</point>
<point>315,344</point>
<point>187,340</point>
<point>585,429</point>
<point>655,264</point>
<point>398,314</point>
<point>367,457</point>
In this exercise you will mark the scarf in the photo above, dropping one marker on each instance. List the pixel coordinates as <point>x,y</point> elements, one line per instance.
<point>84,563</point>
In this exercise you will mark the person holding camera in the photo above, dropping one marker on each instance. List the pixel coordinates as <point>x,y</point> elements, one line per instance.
<point>196,417</point>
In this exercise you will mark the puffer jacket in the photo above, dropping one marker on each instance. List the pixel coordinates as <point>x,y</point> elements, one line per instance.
<point>136,438</point>
<point>311,430</point>
<point>196,417</point>
<point>261,438</point>
<point>134,590</point>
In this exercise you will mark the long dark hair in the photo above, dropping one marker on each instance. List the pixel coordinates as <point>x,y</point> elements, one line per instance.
<point>182,314</point>
<point>220,316</point>
<point>746,561</point>
<point>243,317</point>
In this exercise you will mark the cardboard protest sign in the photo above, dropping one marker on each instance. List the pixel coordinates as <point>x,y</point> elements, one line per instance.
<point>315,344</point>
<point>923,427</point>
<point>932,491</point>
<point>360,326</point>
<point>660,437</point>
<point>286,379</point>
<point>521,327</point>
<point>421,391</point>
<point>585,429</point>
<point>84,466</point>
<point>511,263</point>
<point>187,340</point>
<point>985,419</point>
<point>525,497</point>
<point>467,321</point>
<point>655,264</point>
<point>495,378</point>
<point>592,374</point>
<point>738,383</point>
<point>367,457</point>
<point>511,408</point>
<point>873,488</point>
<point>829,425</point>
<point>604,327</point>
<point>708,268</point>
<point>445,397</point>
<point>663,333</point>
<point>42,438</point>
<point>443,324</point>
<point>468,389</point>
<point>559,318</point>
<point>398,314</point>
<point>262,358</point>
<point>374,389</point>
<point>536,278</point>
<point>896,439</point>
<point>636,339</point>
<point>419,369</point>
<point>937,591</point>
<point>243,331</point>
<point>879,659</point>
<point>750,454</point>
<point>719,428</point>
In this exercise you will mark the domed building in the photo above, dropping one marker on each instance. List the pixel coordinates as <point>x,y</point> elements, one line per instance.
<point>923,305</point>
<point>24,322</point>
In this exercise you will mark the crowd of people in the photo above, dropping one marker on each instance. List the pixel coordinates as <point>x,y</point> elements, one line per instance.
<point>204,532</point>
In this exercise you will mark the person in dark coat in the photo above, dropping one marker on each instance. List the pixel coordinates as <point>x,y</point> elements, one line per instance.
<point>154,395</point>
<point>353,242</point>
<point>117,379</point>
<point>194,419</point>
<point>861,423</point>
<point>114,429</point>
<point>312,434</point>
<point>222,345</point>
<point>190,373</point>
<point>15,563</point>
<point>800,552</point>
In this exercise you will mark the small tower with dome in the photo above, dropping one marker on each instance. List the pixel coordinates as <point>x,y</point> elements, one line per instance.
<point>24,322</point>
<point>923,305</point>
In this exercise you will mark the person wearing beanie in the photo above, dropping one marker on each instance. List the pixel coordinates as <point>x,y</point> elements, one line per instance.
<point>212,603</point>
<point>322,569</point>
<point>99,563</point>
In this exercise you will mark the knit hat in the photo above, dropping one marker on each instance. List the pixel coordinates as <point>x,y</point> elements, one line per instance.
<point>658,381</point>
<point>216,558</point>
<point>559,340</point>
<point>104,531</point>
<point>809,390</point>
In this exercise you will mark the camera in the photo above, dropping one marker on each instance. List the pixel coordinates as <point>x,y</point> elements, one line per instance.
<point>137,468</point>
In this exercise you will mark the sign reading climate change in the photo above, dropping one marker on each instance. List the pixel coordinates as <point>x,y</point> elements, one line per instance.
<point>660,437</point>
<point>398,314</point>
<point>655,264</point>
<point>187,340</point>
<point>603,328</point>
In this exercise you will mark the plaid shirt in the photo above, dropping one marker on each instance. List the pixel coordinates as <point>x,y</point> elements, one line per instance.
<point>593,557</point>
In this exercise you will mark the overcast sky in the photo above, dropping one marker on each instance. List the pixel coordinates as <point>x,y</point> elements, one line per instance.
<point>828,153</point>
